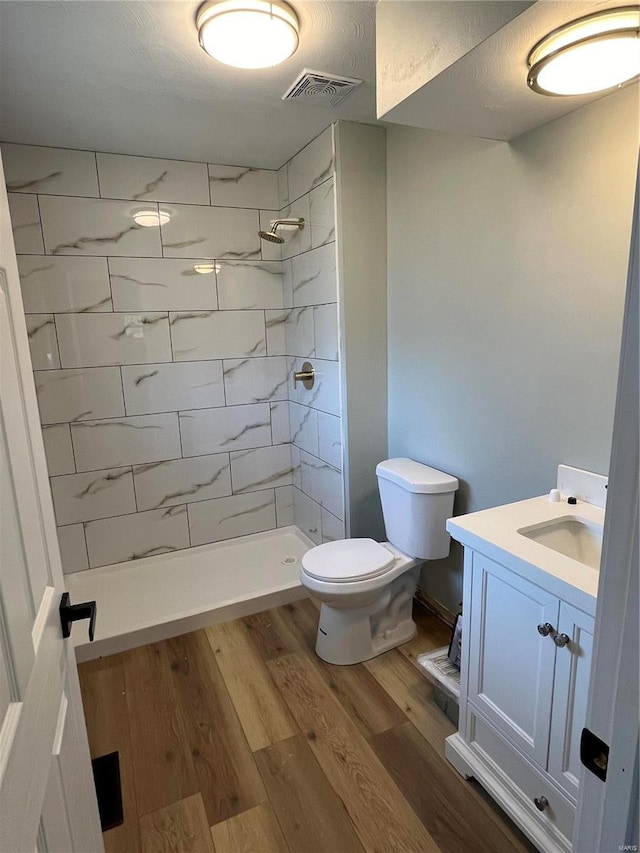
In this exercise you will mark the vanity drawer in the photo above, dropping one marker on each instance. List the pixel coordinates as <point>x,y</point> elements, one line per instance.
<point>531,784</point>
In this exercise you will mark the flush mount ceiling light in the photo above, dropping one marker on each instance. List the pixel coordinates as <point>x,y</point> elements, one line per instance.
<point>150,218</point>
<point>591,54</point>
<point>248,33</point>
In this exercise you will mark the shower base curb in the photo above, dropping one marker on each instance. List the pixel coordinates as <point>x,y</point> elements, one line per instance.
<point>152,599</point>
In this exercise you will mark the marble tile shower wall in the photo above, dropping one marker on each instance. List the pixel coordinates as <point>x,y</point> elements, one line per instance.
<point>306,188</point>
<point>162,354</point>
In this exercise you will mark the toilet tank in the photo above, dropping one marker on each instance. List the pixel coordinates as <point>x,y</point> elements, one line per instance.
<point>416,502</point>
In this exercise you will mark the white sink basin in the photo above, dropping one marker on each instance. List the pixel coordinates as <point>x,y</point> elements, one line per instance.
<point>569,535</point>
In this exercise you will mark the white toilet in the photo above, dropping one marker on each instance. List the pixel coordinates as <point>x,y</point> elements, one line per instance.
<point>366,588</point>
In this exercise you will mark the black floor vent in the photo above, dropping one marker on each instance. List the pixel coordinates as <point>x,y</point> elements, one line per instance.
<point>106,775</point>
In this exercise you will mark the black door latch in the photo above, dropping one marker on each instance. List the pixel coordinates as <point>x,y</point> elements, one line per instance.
<point>70,613</point>
<point>594,754</point>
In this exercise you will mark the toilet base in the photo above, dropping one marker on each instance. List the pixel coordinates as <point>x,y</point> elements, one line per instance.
<point>352,635</point>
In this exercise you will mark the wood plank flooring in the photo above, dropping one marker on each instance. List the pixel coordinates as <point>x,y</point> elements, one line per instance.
<point>238,739</point>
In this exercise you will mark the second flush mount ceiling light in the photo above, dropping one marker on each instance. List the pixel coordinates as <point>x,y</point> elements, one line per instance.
<point>248,33</point>
<point>591,54</point>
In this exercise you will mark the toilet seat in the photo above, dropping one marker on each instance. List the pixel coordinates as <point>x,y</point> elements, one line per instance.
<point>348,560</point>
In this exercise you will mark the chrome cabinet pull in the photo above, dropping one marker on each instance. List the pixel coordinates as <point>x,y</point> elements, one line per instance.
<point>545,628</point>
<point>561,640</point>
<point>541,803</point>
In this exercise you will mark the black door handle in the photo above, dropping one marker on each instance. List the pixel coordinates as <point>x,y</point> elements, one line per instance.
<point>70,613</point>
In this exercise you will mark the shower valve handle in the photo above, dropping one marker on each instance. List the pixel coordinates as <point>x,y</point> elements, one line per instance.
<point>306,376</point>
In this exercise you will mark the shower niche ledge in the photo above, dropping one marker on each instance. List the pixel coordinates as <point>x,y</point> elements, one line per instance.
<point>152,599</point>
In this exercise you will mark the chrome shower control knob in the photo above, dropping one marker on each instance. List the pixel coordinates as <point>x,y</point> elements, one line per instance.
<point>541,803</point>
<point>561,640</point>
<point>545,628</point>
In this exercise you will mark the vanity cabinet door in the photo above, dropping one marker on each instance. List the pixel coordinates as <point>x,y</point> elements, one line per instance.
<point>571,686</point>
<point>511,665</point>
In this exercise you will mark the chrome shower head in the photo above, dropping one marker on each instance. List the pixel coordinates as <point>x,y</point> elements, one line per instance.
<point>273,237</point>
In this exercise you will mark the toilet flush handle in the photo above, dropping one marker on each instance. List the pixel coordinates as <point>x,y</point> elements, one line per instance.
<point>306,376</point>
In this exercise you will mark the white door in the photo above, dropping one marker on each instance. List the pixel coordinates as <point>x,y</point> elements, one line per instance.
<point>607,816</point>
<point>47,799</point>
<point>511,664</point>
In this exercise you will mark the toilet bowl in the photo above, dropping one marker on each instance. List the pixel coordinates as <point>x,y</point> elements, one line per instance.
<point>366,588</point>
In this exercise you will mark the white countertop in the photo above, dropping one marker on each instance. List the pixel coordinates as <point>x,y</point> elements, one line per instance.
<point>494,533</point>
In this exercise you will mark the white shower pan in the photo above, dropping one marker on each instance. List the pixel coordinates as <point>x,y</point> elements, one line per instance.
<point>147,600</point>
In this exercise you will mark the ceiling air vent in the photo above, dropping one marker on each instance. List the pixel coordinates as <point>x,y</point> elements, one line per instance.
<point>316,87</point>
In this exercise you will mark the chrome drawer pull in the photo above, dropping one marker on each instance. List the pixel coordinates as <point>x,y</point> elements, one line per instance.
<point>544,629</point>
<point>541,803</point>
<point>561,640</point>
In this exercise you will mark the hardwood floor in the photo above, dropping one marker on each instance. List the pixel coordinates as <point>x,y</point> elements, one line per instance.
<point>238,739</point>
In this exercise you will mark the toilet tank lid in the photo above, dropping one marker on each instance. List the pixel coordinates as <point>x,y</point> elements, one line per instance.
<point>416,477</point>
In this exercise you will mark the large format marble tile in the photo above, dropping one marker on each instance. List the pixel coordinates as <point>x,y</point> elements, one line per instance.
<point>284,506</point>
<point>323,483</point>
<point>131,537</point>
<point>226,518</point>
<point>83,226</point>
<point>311,166</point>
<point>255,380</point>
<point>304,427</point>
<point>243,186</point>
<point>329,439</point>
<point>161,284</point>
<point>62,284</point>
<point>58,449</point>
<point>280,430</point>
<point>25,224</point>
<point>49,171</point>
<point>151,179</point>
<point>125,441</point>
<point>314,276</point>
<point>275,325</point>
<point>210,232</point>
<point>322,214</point>
<point>88,340</point>
<point>288,283</point>
<point>262,468</point>
<point>180,481</point>
<point>296,466</point>
<point>325,321</point>
<point>296,240</point>
<point>307,516</point>
<point>220,430</point>
<point>300,333</point>
<point>43,343</point>
<point>172,387</point>
<point>98,494</point>
<point>250,284</point>
<point>283,186</point>
<point>79,395</point>
<point>325,394</point>
<point>332,527</point>
<point>73,548</point>
<point>217,334</point>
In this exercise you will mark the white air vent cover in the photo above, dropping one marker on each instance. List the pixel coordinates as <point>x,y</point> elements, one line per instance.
<point>316,87</point>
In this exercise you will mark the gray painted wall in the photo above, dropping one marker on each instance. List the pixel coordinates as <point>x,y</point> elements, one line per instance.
<point>507,270</point>
<point>362,286</point>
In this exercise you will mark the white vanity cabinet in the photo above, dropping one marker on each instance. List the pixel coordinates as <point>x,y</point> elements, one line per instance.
<point>524,683</point>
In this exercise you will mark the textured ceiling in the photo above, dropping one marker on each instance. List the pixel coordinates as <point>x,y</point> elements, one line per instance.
<point>130,77</point>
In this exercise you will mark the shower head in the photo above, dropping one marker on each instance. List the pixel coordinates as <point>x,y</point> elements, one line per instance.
<point>273,237</point>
